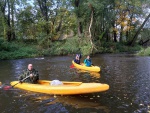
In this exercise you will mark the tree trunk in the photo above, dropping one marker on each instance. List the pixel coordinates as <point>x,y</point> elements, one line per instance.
<point>3,8</point>
<point>115,36</point>
<point>44,11</point>
<point>8,22</point>
<point>127,35</point>
<point>92,13</point>
<point>114,31</point>
<point>121,33</point>
<point>132,42</point>
<point>90,31</point>
<point>12,21</point>
<point>141,42</point>
<point>80,28</point>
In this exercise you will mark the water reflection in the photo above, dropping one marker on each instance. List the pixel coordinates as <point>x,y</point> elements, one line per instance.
<point>78,101</point>
<point>93,74</point>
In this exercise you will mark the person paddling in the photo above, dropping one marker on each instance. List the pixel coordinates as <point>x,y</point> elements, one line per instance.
<point>77,59</point>
<point>88,61</point>
<point>31,75</point>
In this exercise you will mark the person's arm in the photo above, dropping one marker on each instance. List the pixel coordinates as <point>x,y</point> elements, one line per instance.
<point>35,76</point>
<point>22,76</point>
<point>75,61</point>
<point>91,61</point>
<point>85,61</point>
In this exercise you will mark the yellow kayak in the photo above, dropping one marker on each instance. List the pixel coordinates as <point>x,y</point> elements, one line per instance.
<point>92,68</point>
<point>67,88</point>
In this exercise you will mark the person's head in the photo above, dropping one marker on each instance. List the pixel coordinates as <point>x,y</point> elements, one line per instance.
<point>88,57</point>
<point>77,57</point>
<point>80,56</point>
<point>30,66</point>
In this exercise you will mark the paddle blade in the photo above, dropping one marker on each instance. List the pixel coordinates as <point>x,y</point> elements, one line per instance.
<point>72,66</point>
<point>7,87</point>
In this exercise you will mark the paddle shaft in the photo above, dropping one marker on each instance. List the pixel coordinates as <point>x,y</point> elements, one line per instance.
<point>21,80</point>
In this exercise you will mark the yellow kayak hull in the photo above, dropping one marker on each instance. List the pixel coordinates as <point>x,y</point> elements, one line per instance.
<point>83,67</point>
<point>68,88</point>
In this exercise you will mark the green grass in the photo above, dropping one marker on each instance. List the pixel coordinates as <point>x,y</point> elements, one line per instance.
<point>111,47</point>
<point>16,50</point>
<point>144,52</point>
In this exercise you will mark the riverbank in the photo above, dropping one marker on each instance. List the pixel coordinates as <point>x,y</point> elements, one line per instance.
<point>144,52</point>
<point>30,48</point>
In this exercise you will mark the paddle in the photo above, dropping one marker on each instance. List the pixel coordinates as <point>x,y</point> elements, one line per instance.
<point>72,66</point>
<point>8,87</point>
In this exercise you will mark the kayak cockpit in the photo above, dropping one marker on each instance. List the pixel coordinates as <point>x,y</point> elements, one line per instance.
<point>45,82</point>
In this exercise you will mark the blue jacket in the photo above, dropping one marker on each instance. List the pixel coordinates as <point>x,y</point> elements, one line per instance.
<point>88,62</point>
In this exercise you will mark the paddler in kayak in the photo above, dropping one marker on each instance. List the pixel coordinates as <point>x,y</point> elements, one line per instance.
<point>31,75</point>
<point>88,61</point>
<point>77,58</point>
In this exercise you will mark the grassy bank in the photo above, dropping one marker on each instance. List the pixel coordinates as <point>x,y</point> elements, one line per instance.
<point>17,50</point>
<point>144,52</point>
<point>28,49</point>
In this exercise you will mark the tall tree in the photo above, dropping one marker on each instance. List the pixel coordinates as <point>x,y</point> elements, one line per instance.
<point>132,42</point>
<point>7,9</point>
<point>77,4</point>
<point>44,6</point>
<point>4,19</point>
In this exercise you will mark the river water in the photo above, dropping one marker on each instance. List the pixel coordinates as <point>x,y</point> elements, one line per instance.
<point>127,75</point>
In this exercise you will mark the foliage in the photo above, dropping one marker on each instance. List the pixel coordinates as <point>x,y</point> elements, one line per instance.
<point>15,50</point>
<point>144,52</point>
<point>85,46</point>
<point>145,33</point>
<point>106,26</point>
<point>68,46</point>
<point>26,48</point>
<point>111,47</point>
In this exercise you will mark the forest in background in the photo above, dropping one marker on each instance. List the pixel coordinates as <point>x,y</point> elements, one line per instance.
<point>31,28</point>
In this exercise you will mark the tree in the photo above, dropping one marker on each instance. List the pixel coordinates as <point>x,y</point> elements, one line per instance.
<point>132,42</point>
<point>78,5</point>
<point>8,9</point>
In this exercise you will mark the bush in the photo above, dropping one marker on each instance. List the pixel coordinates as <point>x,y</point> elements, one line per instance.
<point>15,50</point>
<point>112,47</point>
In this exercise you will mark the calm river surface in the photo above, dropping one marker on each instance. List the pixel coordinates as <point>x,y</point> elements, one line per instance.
<point>127,75</point>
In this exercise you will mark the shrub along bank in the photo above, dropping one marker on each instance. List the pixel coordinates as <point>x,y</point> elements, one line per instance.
<point>28,49</point>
